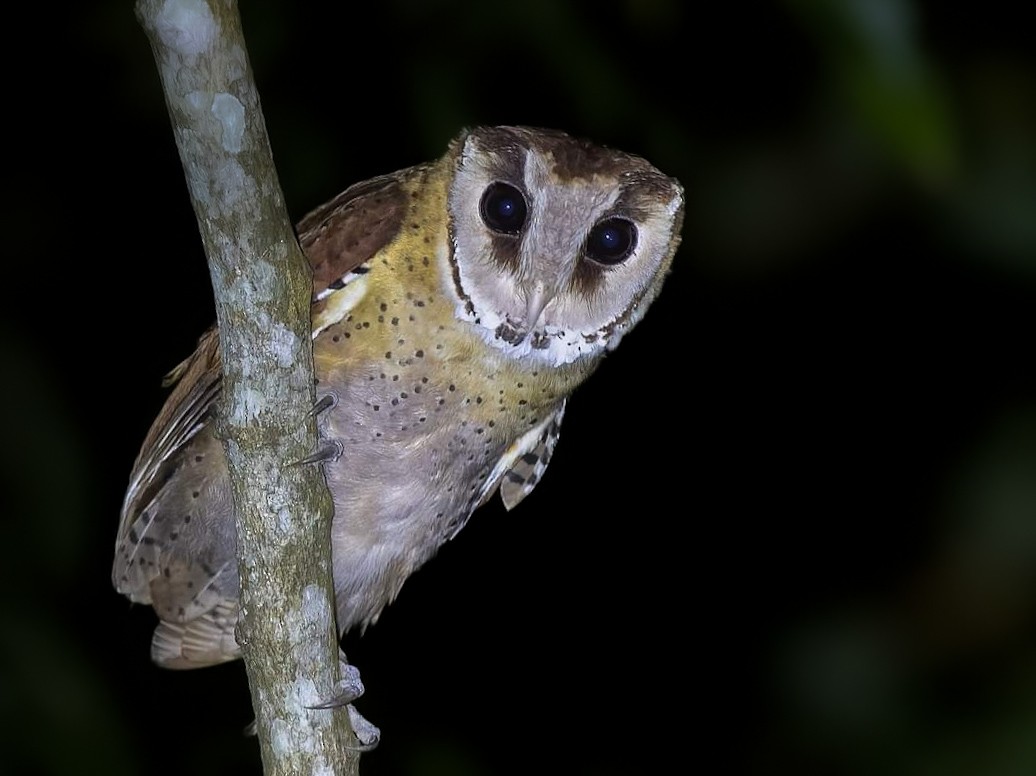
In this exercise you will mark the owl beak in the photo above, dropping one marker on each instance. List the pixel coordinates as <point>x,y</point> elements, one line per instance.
<point>537,299</point>
<point>516,332</point>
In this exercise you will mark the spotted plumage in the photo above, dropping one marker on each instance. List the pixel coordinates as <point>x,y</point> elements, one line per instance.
<point>456,307</point>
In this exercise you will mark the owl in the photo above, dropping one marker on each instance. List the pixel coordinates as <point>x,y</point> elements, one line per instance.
<point>456,306</point>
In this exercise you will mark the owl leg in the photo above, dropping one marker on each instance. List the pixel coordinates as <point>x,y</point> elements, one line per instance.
<point>349,688</point>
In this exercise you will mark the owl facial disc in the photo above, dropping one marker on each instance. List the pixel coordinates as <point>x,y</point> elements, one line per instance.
<point>556,245</point>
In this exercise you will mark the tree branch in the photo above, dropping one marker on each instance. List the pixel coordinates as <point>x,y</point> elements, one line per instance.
<point>262,288</point>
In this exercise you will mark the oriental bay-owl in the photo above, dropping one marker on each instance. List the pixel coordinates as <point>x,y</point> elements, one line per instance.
<point>456,306</point>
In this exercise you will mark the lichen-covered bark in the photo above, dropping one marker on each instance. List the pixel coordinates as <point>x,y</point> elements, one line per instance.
<point>262,289</point>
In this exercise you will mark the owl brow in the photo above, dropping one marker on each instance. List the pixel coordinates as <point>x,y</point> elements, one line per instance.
<point>508,166</point>
<point>632,204</point>
<point>573,159</point>
<point>641,190</point>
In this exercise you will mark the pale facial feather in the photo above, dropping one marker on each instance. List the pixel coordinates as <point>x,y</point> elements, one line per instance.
<point>497,273</point>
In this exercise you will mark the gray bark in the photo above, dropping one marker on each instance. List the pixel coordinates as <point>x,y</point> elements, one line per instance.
<point>262,288</point>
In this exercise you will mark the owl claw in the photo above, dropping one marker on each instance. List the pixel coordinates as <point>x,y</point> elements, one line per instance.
<point>326,402</point>
<point>348,689</point>
<point>327,452</point>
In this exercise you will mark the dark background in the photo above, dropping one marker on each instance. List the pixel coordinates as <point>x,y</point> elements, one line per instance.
<point>791,523</point>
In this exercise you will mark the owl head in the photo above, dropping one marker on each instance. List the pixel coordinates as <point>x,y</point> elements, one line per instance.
<point>557,246</point>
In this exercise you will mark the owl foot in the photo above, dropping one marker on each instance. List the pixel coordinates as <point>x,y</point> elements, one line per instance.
<point>367,734</point>
<point>326,452</point>
<point>348,689</point>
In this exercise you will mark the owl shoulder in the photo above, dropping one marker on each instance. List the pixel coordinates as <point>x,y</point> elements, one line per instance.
<point>340,236</point>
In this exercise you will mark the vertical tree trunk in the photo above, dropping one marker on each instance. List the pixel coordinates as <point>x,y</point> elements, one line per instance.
<point>262,288</point>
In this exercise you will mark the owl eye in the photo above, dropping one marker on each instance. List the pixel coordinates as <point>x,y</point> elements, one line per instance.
<point>611,241</point>
<point>503,208</point>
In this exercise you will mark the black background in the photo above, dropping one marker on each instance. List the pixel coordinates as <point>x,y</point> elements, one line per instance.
<point>791,523</point>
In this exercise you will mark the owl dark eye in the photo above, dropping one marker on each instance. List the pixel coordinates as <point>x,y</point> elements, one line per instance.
<point>611,241</point>
<point>503,208</point>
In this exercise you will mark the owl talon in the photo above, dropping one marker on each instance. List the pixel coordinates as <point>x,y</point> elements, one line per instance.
<point>348,689</point>
<point>326,402</point>
<point>329,452</point>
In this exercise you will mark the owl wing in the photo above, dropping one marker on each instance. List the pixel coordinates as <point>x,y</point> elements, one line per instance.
<point>340,237</point>
<point>139,546</point>
<point>523,465</point>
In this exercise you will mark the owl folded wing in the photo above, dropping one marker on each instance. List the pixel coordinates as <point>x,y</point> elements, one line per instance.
<point>523,465</point>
